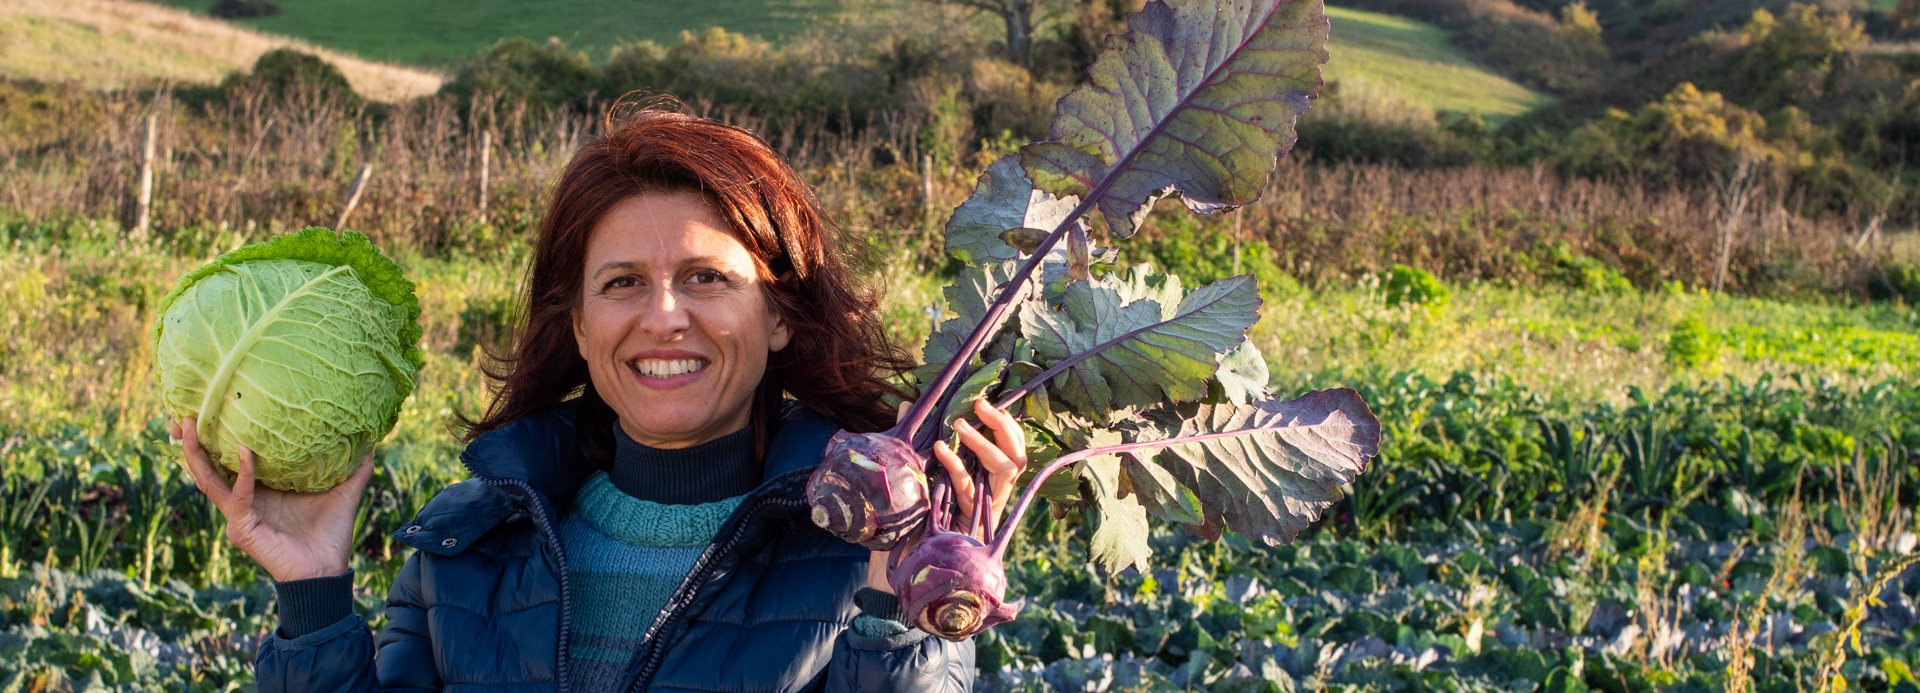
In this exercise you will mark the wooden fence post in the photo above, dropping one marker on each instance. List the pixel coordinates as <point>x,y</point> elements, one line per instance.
<point>486,158</point>
<point>926,183</point>
<point>353,198</point>
<point>143,212</point>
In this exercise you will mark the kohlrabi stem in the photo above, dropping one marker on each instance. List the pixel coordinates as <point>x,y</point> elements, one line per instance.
<point>996,313</point>
<point>982,505</point>
<point>1007,526</point>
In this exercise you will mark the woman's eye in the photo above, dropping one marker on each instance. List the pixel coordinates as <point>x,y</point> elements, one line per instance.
<point>706,277</point>
<point>626,282</point>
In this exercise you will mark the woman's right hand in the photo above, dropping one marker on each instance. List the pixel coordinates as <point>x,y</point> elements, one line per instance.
<point>294,536</point>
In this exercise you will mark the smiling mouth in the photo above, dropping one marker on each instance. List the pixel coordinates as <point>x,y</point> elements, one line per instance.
<point>666,368</point>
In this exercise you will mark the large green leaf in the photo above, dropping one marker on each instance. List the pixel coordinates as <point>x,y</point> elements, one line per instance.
<point>1266,469</point>
<point>1119,523</point>
<point>976,387</point>
<point>1198,98</point>
<point>1113,349</point>
<point>1243,374</point>
<point>1002,200</point>
<point>967,298</point>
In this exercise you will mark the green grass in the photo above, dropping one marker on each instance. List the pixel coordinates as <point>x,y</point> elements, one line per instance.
<point>1388,58</point>
<point>1375,57</point>
<point>435,31</point>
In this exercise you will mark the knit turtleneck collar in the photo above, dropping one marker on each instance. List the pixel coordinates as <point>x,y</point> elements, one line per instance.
<point>715,470</point>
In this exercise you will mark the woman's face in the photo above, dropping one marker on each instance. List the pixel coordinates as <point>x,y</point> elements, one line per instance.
<point>674,320</point>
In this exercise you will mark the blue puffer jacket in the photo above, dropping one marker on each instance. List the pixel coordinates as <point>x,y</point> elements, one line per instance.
<point>481,605</point>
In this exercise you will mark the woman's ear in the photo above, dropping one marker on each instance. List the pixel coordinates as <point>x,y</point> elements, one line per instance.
<point>579,335</point>
<point>780,335</point>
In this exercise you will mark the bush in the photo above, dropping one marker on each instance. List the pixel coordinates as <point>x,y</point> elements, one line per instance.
<point>243,9</point>
<point>1691,344</point>
<point>1178,245</point>
<point>1417,286</point>
<point>1584,272</point>
<point>1897,282</point>
<point>285,71</point>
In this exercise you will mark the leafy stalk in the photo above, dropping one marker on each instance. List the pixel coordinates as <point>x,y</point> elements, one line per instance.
<point>1197,98</point>
<point>977,339</point>
<point>1301,449</point>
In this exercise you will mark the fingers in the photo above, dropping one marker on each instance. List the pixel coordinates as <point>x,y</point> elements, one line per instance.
<point>1004,458</point>
<point>205,476</point>
<point>957,474</point>
<point>990,455</point>
<point>902,412</point>
<point>242,498</point>
<point>356,483</point>
<point>1006,431</point>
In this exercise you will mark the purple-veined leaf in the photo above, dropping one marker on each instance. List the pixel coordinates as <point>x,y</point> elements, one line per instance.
<point>967,299</point>
<point>1112,347</point>
<point>1162,497</point>
<point>1266,469</point>
<point>1198,97</point>
<point>1003,199</point>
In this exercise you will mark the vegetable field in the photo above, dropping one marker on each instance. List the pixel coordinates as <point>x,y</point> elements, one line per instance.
<point>1577,489</point>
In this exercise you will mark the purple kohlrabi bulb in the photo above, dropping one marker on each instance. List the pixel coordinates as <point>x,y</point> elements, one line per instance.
<point>951,585</point>
<point>870,490</point>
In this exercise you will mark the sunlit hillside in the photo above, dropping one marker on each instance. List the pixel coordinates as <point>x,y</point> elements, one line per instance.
<point>1386,58</point>
<point>116,43</point>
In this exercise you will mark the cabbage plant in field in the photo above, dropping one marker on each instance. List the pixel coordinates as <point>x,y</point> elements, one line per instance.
<point>1147,391</point>
<point>301,349</point>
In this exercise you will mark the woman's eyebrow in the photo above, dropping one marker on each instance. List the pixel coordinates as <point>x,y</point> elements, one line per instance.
<point>615,265</point>
<point>708,260</point>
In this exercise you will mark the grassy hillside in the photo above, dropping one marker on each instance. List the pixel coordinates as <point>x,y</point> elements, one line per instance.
<point>433,31</point>
<point>1387,58</point>
<point>114,43</point>
<point>1375,56</point>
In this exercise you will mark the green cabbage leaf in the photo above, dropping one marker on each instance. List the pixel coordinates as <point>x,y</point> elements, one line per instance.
<point>302,349</point>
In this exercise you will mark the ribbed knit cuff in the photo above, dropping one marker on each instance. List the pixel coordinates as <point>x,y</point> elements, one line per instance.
<point>880,605</point>
<point>314,603</point>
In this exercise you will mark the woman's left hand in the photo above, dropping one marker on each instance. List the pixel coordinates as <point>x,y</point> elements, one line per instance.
<point>1004,458</point>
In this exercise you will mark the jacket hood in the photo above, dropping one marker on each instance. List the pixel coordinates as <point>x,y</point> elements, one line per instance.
<point>543,449</point>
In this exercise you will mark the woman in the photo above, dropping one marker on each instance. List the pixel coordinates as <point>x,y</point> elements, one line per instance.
<point>637,517</point>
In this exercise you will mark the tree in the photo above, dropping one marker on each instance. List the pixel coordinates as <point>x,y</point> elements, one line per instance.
<point>1018,16</point>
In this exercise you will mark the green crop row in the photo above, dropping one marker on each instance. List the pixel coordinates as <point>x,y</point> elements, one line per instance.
<point>1695,535</point>
<point>1580,486</point>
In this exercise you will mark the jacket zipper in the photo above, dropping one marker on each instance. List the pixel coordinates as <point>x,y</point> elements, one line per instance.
<point>560,558</point>
<point>684,594</point>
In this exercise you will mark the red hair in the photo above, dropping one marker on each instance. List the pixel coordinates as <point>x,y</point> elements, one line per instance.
<point>837,336</point>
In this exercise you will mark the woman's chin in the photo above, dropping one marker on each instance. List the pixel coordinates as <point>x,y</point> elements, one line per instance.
<point>675,424</point>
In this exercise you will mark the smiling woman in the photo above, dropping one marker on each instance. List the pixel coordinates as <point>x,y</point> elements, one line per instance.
<point>674,320</point>
<point>638,518</point>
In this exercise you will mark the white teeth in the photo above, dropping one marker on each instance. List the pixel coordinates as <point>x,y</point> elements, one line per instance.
<point>666,368</point>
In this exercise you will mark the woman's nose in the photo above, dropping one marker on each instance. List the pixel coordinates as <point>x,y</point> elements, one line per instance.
<point>666,315</point>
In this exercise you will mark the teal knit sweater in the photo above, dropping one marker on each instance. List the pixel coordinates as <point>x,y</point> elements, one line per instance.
<point>631,536</point>
<point>625,558</point>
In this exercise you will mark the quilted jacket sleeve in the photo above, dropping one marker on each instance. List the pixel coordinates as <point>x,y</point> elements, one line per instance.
<point>345,658</point>
<point>910,661</point>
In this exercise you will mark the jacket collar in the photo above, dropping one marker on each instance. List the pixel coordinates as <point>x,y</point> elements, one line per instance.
<point>543,450</point>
